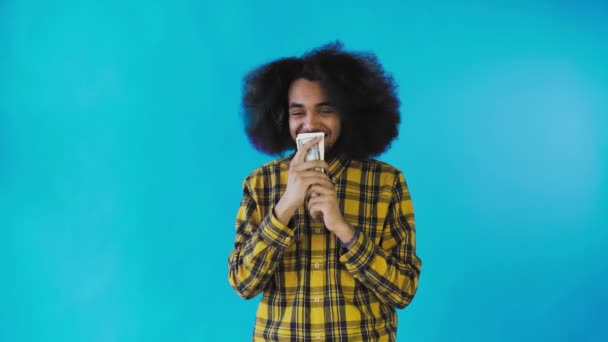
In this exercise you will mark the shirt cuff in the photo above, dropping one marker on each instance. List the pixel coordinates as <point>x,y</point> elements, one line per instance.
<point>359,255</point>
<point>274,232</point>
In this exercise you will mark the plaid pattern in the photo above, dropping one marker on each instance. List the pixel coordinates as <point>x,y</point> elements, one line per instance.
<point>314,288</point>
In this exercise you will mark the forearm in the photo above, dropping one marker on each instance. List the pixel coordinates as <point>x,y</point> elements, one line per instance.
<point>255,257</point>
<point>346,234</point>
<point>283,211</point>
<point>393,279</point>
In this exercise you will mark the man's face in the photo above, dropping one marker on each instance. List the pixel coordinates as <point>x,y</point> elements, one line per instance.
<point>310,111</point>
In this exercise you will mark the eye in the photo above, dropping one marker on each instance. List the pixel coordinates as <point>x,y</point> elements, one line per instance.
<point>327,110</point>
<point>296,113</point>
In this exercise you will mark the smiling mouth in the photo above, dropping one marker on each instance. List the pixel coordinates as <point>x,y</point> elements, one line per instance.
<point>325,133</point>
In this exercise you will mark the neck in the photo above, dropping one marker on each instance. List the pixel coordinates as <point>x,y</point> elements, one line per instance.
<point>331,154</point>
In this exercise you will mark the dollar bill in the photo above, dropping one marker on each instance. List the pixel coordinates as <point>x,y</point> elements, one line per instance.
<point>317,151</point>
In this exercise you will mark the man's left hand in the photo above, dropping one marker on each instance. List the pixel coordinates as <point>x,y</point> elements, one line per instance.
<point>323,199</point>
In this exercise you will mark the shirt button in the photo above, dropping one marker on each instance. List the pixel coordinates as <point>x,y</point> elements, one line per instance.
<point>288,238</point>
<point>317,230</point>
<point>317,265</point>
<point>318,335</point>
<point>317,299</point>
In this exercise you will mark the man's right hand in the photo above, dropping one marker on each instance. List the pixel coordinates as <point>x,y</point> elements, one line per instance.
<point>302,175</point>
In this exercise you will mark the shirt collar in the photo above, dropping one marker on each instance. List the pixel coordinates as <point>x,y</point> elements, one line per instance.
<point>337,166</point>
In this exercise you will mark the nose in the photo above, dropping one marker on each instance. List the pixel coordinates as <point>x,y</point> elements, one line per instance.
<point>311,121</point>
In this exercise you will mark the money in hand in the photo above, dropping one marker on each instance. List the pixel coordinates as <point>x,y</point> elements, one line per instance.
<point>317,151</point>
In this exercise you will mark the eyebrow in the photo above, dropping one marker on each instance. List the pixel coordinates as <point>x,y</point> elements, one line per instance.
<point>299,105</point>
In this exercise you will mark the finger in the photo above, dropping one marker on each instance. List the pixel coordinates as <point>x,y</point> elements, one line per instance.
<point>305,174</point>
<point>317,214</point>
<point>311,164</point>
<point>315,190</point>
<point>310,195</point>
<point>318,201</point>
<point>307,182</point>
<point>318,189</point>
<point>313,194</point>
<point>314,210</point>
<point>321,190</point>
<point>301,153</point>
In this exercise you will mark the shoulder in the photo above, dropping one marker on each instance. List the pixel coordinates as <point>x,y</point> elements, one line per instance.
<point>375,166</point>
<point>385,175</point>
<point>270,169</point>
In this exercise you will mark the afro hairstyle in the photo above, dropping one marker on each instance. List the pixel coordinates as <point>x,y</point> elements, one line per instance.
<point>354,82</point>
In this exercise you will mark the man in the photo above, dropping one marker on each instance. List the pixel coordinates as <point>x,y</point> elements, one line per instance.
<point>333,251</point>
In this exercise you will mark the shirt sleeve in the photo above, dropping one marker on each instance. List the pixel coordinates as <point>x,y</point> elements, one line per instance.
<point>259,245</point>
<point>390,270</point>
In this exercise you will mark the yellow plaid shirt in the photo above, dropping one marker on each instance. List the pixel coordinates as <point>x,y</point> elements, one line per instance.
<point>313,287</point>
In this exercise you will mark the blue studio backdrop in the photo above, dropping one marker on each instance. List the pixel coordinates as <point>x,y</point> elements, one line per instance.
<point>122,153</point>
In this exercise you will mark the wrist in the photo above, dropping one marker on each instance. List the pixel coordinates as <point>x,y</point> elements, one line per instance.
<point>345,233</point>
<point>283,212</point>
<point>348,244</point>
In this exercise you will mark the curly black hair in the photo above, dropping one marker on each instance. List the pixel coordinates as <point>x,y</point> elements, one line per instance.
<point>354,82</point>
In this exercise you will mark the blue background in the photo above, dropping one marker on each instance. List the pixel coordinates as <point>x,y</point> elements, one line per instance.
<point>122,154</point>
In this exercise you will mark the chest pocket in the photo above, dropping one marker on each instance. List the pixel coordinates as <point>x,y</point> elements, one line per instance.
<point>366,208</point>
